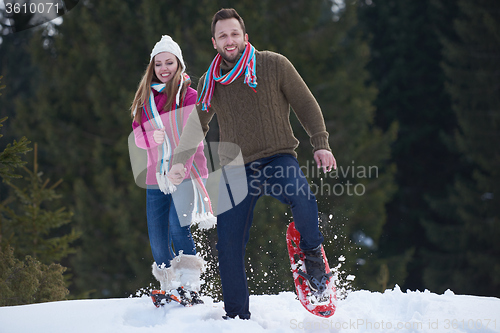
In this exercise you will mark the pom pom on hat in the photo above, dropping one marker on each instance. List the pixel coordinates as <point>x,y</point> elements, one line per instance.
<point>167,44</point>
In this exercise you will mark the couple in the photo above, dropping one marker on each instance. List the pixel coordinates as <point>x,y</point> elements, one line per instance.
<point>251,92</point>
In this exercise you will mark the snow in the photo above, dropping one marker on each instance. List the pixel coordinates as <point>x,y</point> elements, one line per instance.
<point>360,311</point>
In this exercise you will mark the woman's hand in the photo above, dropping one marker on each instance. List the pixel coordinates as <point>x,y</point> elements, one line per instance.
<point>159,136</point>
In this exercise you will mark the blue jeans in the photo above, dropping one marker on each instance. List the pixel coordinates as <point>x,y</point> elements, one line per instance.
<point>278,176</point>
<point>169,228</point>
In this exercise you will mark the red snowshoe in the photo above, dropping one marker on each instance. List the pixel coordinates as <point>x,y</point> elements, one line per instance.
<point>319,300</point>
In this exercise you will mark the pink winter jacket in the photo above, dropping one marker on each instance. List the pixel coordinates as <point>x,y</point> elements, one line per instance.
<point>144,136</point>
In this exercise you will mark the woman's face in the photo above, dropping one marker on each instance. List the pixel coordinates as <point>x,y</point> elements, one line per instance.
<point>166,65</point>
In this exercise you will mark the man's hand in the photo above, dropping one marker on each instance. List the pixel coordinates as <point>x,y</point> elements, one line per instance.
<point>325,159</point>
<point>177,173</point>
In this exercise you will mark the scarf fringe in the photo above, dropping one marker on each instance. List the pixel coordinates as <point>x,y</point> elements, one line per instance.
<point>205,221</point>
<point>165,185</point>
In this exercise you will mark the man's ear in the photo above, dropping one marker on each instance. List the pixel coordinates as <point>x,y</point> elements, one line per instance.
<point>214,44</point>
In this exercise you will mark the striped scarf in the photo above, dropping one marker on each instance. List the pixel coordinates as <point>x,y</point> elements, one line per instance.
<point>246,64</point>
<point>202,210</point>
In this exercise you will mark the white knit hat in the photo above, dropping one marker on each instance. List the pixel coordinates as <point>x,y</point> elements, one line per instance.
<point>167,44</point>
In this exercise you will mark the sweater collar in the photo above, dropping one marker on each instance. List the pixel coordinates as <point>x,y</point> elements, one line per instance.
<point>226,66</point>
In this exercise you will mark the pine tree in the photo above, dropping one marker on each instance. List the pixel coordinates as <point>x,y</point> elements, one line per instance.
<point>17,70</point>
<point>30,226</point>
<point>9,157</point>
<point>465,253</point>
<point>29,281</point>
<point>406,54</point>
<point>10,160</point>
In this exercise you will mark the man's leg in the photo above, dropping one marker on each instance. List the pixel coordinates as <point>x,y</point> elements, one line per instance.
<point>289,185</point>
<point>233,228</point>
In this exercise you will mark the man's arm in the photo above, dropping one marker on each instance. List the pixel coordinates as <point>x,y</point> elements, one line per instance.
<point>192,134</point>
<point>303,104</point>
<point>308,112</point>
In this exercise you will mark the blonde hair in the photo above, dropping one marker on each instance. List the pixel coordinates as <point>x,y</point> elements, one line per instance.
<point>144,90</point>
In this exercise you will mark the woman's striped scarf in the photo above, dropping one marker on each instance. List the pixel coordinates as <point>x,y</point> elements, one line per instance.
<point>202,211</point>
<point>246,64</point>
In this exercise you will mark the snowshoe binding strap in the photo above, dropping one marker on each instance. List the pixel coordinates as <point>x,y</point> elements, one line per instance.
<point>161,297</point>
<point>190,297</point>
<point>316,286</point>
<point>195,298</point>
<point>180,295</point>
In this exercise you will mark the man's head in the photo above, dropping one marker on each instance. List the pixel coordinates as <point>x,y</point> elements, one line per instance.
<point>228,34</point>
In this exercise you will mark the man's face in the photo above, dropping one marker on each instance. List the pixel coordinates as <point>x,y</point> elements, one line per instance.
<point>229,39</point>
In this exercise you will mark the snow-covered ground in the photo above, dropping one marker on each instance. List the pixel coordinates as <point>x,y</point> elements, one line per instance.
<point>361,311</point>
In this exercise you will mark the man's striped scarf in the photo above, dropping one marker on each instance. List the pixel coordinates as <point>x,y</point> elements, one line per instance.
<point>202,212</point>
<point>246,64</point>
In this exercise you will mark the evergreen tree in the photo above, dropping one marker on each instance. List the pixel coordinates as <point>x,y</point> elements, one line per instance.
<point>29,281</point>
<point>29,226</point>
<point>26,222</point>
<point>17,70</point>
<point>466,251</point>
<point>10,158</point>
<point>405,67</point>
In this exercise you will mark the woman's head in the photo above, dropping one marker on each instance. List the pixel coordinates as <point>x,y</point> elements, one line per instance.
<point>167,61</point>
<point>167,66</point>
<point>167,44</point>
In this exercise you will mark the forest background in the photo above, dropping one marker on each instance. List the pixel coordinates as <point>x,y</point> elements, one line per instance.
<point>409,92</point>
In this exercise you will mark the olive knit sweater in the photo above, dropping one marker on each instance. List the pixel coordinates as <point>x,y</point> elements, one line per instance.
<point>257,122</point>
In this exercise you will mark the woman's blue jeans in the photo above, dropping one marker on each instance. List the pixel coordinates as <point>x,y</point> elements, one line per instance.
<point>278,176</point>
<point>169,228</point>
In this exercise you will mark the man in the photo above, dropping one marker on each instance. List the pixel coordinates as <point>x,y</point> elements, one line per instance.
<point>251,92</point>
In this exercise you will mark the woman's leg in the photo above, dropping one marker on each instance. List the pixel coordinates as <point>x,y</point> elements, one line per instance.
<point>158,211</point>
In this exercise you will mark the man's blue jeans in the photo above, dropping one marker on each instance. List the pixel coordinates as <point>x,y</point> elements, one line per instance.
<point>280,177</point>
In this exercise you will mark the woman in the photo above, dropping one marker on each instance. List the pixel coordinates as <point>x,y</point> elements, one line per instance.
<point>162,104</point>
